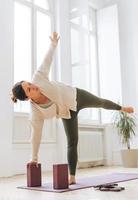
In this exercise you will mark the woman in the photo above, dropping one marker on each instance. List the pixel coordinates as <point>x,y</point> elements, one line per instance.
<point>49,99</point>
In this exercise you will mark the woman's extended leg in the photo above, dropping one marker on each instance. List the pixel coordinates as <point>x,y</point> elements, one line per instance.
<point>87,100</point>
<point>71,129</point>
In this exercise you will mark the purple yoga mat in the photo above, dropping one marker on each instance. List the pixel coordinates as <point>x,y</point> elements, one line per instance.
<point>88,182</point>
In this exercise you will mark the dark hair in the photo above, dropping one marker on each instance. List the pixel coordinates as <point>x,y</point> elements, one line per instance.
<point>18,92</point>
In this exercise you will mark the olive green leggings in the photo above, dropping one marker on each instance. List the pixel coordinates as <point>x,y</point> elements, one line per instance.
<point>84,100</point>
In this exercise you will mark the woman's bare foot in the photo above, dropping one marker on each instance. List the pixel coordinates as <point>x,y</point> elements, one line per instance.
<point>127,109</point>
<point>72,180</point>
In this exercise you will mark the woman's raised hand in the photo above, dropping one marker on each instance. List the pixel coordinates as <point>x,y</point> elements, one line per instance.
<point>54,38</point>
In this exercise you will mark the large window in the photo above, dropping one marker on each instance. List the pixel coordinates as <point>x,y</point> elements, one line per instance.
<point>32,27</point>
<point>109,58</point>
<point>84,56</point>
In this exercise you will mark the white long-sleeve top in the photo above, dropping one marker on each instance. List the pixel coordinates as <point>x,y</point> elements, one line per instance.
<point>62,96</point>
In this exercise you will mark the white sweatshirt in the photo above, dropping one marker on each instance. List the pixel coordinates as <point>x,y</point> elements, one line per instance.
<point>62,96</point>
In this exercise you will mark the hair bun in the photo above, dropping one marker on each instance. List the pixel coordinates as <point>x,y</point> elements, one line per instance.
<point>14,99</point>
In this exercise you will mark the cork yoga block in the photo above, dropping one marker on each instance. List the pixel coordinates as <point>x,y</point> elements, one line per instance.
<point>33,175</point>
<point>60,176</point>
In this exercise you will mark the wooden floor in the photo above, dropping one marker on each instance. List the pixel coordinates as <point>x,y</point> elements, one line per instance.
<point>8,190</point>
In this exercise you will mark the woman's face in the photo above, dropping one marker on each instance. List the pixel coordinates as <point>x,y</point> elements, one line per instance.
<point>31,90</point>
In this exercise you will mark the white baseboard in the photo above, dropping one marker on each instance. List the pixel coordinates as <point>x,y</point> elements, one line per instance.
<point>90,164</point>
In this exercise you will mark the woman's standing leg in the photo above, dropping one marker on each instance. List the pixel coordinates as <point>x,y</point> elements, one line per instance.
<point>71,130</point>
<point>84,100</point>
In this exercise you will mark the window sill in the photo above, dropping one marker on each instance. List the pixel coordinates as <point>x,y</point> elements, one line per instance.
<point>92,126</point>
<point>21,114</point>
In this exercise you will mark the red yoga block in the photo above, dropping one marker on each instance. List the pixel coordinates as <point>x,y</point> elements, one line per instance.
<point>33,175</point>
<point>60,176</point>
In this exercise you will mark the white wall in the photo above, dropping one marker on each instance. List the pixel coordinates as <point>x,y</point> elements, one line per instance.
<point>128,16</point>
<point>6,63</point>
<point>128,32</point>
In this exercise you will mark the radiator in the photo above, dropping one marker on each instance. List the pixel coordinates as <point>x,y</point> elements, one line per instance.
<point>90,148</point>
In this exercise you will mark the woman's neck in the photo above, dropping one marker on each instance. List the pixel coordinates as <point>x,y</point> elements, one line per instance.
<point>41,99</point>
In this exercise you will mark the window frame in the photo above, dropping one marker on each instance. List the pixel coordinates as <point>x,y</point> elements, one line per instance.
<point>79,28</point>
<point>97,59</point>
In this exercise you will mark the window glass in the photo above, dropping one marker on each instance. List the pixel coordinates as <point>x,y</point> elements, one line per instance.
<point>80,76</point>
<point>75,20</point>
<point>85,47</point>
<point>75,46</point>
<point>22,48</point>
<point>84,58</point>
<point>22,43</point>
<point>43,33</point>
<point>93,61</point>
<point>93,65</point>
<point>85,21</point>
